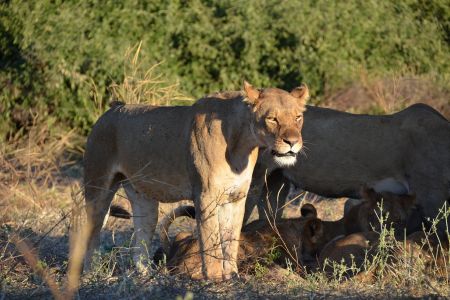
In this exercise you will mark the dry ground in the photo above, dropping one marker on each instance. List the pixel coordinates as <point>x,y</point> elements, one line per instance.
<point>41,216</point>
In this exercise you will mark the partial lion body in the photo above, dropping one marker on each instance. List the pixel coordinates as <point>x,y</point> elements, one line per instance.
<point>363,217</point>
<point>112,150</point>
<point>351,251</point>
<point>358,246</point>
<point>357,251</point>
<point>406,152</point>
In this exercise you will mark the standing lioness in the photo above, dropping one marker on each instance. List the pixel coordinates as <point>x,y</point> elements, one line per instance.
<point>205,152</point>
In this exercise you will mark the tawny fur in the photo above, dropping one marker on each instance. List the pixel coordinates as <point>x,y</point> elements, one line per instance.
<point>358,250</point>
<point>256,241</point>
<point>299,240</point>
<point>395,210</point>
<point>363,217</point>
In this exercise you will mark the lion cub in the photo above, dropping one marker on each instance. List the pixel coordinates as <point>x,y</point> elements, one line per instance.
<point>361,244</point>
<point>355,250</point>
<point>397,212</point>
<point>364,216</point>
<point>257,241</point>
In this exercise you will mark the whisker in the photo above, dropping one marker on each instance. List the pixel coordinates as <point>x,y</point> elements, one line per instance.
<point>308,142</point>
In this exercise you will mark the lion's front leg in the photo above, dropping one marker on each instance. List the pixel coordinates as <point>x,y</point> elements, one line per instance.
<point>207,215</point>
<point>219,226</point>
<point>230,217</point>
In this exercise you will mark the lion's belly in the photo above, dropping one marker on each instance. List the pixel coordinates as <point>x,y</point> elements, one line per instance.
<point>165,193</point>
<point>162,186</point>
<point>162,179</point>
<point>155,156</point>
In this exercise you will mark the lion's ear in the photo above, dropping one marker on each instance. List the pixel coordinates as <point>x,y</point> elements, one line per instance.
<point>251,93</point>
<point>308,210</point>
<point>301,93</point>
<point>369,194</point>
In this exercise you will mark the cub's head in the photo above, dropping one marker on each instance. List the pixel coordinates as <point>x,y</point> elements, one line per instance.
<point>313,239</point>
<point>312,234</point>
<point>278,120</point>
<point>396,209</point>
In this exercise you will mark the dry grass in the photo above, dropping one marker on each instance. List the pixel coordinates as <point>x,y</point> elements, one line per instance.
<point>389,94</point>
<point>145,85</point>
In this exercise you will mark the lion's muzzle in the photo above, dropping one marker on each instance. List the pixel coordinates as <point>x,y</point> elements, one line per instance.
<point>286,150</point>
<point>289,153</point>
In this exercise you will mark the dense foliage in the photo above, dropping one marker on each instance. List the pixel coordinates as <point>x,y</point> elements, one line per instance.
<point>51,52</point>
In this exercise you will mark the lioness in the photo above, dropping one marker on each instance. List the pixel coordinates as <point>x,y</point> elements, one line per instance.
<point>205,152</point>
<point>406,152</point>
<point>256,241</point>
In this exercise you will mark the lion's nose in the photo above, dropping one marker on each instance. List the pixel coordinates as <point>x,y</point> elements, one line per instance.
<point>291,141</point>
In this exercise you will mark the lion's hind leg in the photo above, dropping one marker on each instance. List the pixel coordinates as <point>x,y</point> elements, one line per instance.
<point>98,196</point>
<point>145,218</point>
<point>431,196</point>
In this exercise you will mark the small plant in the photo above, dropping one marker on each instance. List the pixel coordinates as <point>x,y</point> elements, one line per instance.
<point>261,270</point>
<point>274,253</point>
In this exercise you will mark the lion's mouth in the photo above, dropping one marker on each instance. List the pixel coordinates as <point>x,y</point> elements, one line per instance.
<point>287,154</point>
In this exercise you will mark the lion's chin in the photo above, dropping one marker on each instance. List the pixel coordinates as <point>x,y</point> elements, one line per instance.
<point>285,161</point>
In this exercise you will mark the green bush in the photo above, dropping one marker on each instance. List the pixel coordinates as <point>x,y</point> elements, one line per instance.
<point>53,51</point>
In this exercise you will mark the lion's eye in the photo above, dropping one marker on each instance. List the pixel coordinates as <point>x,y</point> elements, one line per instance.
<point>298,118</point>
<point>272,120</point>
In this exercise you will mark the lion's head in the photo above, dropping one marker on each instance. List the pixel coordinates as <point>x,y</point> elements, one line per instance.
<point>278,120</point>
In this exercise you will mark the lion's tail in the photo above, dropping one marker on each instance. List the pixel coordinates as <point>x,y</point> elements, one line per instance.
<point>182,211</point>
<point>119,212</point>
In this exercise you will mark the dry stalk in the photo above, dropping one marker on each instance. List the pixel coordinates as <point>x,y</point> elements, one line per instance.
<point>271,218</point>
<point>141,85</point>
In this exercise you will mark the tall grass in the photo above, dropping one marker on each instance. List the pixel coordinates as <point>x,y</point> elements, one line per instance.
<point>145,85</point>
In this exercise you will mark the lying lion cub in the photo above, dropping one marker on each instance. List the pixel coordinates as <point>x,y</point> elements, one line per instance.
<point>183,253</point>
<point>364,216</point>
<point>361,244</point>
<point>351,251</point>
<point>396,210</point>
<point>355,250</point>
